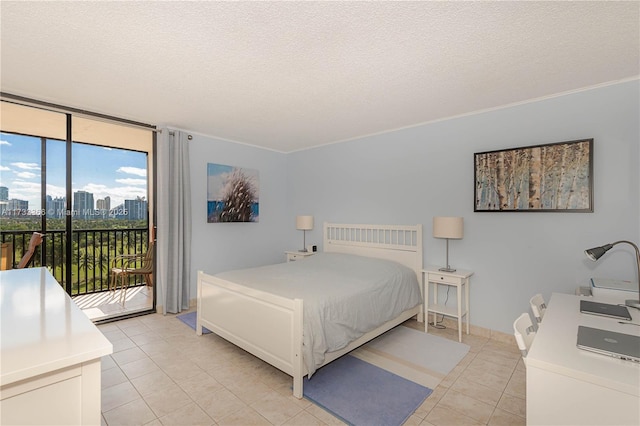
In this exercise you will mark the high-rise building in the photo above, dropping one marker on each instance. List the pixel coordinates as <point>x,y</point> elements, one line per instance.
<point>17,207</point>
<point>103,206</point>
<point>56,207</point>
<point>48,201</point>
<point>136,209</point>
<point>83,205</point>
<point>4,199</point>
<point>104,203</point>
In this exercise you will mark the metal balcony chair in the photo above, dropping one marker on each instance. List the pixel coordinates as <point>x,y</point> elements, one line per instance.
<point>127,265</point>
<point>27,257</point>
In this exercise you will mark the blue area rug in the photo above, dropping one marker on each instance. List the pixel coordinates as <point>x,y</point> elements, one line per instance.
<point>360,393</point>
<point>190,319</point>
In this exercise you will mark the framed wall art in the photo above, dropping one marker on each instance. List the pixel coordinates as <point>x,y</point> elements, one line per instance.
<point>556,177</point>
<point>233,194</point>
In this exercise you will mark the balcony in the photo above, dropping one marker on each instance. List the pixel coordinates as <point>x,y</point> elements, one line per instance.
<point>92,253</point>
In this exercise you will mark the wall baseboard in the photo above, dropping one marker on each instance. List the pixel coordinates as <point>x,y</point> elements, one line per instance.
<point>498,336</point>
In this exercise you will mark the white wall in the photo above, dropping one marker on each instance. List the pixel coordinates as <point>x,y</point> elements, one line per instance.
<point>410,175</point>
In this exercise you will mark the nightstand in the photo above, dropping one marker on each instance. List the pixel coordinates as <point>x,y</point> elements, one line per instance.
<point>460,280</point>
<point>292,256</point>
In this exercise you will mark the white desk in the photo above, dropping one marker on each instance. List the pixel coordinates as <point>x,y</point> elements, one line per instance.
<point>567,385</point>
<point>50,369</point>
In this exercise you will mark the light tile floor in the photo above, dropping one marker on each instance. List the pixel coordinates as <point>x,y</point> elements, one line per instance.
<point>161,373</point>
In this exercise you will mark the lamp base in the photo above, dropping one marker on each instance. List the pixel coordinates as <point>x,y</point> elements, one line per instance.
<point>303,251</point>
<point>447,269</point>
<point>632,303</point>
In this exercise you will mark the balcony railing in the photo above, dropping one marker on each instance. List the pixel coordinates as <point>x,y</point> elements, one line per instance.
<point>92,253</point>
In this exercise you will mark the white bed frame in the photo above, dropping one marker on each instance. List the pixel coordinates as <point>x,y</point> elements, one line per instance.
<point>270,327</point>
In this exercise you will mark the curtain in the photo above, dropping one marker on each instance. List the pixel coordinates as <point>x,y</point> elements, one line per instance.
<point>174,221</point>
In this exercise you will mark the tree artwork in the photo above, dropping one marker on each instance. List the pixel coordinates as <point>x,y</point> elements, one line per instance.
<point>553,177</point>
<point>232,194</point>
<point>238,196</point>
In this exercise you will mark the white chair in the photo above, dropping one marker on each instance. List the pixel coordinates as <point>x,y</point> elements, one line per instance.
<point>524,333</point>
<point>538,307</point>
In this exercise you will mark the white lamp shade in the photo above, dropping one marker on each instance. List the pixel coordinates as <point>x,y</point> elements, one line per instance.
<point>448,227</point>
<point>304,223</point>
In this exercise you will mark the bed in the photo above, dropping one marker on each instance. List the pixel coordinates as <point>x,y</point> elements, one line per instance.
<point>229,303</point>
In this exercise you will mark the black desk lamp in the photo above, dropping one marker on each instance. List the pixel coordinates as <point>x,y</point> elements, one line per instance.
<point>597,252</point>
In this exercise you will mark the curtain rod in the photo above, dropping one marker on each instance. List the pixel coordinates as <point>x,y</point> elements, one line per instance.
<point>21,100</point>
<point>173,133</point>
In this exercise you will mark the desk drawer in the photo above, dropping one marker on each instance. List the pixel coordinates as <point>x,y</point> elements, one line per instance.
<point>444,279</point>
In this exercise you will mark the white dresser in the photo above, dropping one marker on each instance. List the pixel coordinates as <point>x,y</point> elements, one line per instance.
<point>50,353</point>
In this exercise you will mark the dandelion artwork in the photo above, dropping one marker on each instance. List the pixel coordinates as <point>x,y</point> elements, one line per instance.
<point>555,177</point>
<point>232,194</point>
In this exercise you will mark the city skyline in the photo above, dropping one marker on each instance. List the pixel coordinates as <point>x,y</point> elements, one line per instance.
<point>102,171</point>
<point>83,207</point>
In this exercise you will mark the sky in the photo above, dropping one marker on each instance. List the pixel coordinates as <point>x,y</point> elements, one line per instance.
<point>117,173</point>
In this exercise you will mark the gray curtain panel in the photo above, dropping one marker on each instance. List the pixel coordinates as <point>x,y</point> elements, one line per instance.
<point>174,221</point>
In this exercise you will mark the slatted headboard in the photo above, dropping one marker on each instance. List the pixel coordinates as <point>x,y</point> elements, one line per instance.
<point>402,244</point>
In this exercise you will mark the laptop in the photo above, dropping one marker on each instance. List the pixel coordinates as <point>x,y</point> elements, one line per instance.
<point>605,310</point>
<point>610,343</point>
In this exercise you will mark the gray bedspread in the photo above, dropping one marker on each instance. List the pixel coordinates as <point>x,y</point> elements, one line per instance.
<point>345,296</point>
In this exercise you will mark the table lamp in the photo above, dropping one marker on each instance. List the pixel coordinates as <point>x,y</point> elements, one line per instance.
<point>597,252</point>
<point>304,224</point>
<point>449,228</point>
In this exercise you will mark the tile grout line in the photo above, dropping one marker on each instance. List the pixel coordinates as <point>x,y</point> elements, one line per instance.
<point>155,327</point>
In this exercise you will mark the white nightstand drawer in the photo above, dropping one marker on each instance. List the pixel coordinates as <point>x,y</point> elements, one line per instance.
<point>444,279</point>
<point>292,256</point>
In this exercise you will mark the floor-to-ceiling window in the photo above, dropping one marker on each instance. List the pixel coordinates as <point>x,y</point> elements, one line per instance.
<point>86,183</point>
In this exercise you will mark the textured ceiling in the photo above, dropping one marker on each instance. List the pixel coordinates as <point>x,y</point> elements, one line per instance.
<point>292,75</point>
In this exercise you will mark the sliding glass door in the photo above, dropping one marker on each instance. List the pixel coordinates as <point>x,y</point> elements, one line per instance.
<point>86,184</point>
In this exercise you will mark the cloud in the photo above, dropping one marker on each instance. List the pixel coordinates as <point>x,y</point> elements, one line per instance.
<point>26,175</point>
<point>26,166</point>
<point>4,169</point>
<point>95,188</point>
<point>131,181</point>
<point>3,142</point>
<point>22,190</point>
<point>133,171</point>
<point>56,191</point>
<point>117,194</point>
